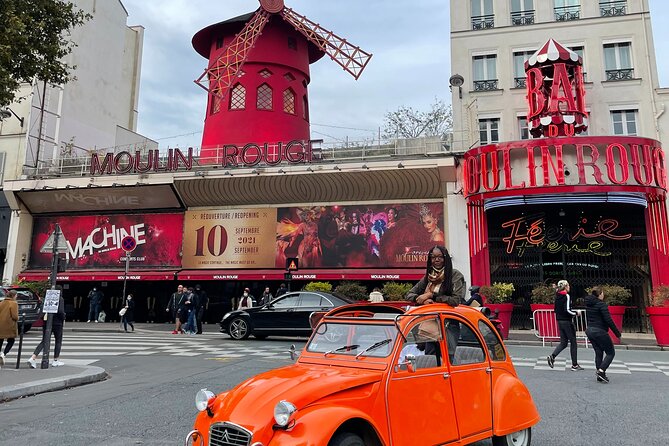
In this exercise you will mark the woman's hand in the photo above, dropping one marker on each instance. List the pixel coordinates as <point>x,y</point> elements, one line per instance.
<point>423,298</point>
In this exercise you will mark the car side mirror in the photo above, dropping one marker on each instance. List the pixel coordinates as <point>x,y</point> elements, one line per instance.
<point>409,363</point>
<point>293,353</point>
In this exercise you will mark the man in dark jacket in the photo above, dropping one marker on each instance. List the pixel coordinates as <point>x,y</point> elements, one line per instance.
<point>599,322</point>
<point>564,314</point>
<point>173,308</point>
<point>201,301</point>
<point>95,297</point>
<point>57,331</point>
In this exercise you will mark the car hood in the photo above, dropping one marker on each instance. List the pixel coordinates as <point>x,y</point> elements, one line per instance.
<point>251,404</point>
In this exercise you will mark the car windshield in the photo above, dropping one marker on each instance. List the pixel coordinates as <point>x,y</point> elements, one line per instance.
<point>353,339</point>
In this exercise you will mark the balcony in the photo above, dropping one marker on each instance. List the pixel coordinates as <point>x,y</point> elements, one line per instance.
<point>519,82</point>
<point>521,18</point>
<point>625,74</point>
<point>487,85</point>
<point>567,13</point>
<point>612,9</point>
<point>483,22</point>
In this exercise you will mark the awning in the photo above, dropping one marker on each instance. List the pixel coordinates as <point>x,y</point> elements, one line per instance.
<point>98,276</point>
<point>306,274</point>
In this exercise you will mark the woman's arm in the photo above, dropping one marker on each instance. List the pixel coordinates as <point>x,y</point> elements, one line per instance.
<point>417,290</point>
<point>606,315</point>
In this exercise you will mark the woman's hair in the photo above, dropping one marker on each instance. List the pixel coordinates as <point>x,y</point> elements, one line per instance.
<point>562,284</point>
<point>596,291</point>
<point>448,268</point>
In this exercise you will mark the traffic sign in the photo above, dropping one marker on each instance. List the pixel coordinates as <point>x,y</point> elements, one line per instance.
<point>292,264</point>
<point>47,247</point>
<point>129,243</point>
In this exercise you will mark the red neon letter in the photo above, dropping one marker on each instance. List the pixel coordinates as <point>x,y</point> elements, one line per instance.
<point>535,98</point>
<point>611,163</point>
<point>647,165</point>
<point>561,83</point>
<point>547,159</point>
<point>594,156</point>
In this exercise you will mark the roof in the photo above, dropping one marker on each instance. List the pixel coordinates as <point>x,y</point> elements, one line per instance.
<point>552,51</point>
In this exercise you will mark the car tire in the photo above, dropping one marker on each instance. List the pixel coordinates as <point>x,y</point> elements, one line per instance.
<point>346,439</point>
<point>239,329</point>
<point>520,438</point>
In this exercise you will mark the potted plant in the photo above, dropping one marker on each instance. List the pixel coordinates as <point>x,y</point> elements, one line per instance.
<point>659,314</point>
<point>498,299</point>
<point>395,291</point>
<point>543,298</point>
<point>318,286</point>
<point>352,290</point>
<point>617,297</point>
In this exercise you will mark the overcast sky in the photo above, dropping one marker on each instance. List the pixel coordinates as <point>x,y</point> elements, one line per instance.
<point>410,66</point>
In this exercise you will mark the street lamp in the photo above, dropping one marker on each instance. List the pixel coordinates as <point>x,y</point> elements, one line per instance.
<point>7,113</point>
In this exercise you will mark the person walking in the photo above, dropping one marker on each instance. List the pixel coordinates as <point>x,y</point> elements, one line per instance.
<point>188,311</point>
<point>246,301</point>
<point>282,290</point>
<point>95,297</point>
<point>129,314</point>
<point>565,315</point>
<point>57,331</point>
<point>202,301</point>
<point>266,297</point>
<point>9,318</point>
<point>599,322</point>
<point>173,308</point>
<point>376,296</point>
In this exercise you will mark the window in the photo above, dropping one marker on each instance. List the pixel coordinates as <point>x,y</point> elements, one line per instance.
<point>219,42</point>
<point>265,73</point>
<point>523,131</point>
<point>618,61</point>
<point>289,101</point>
<point>485,72</point>
<point>289,77</point>
<point>495,349</point>
<point>305,107</point>
<point>423,343</point>
<point>519,58</point>
<point>482,14</point>
<point>287,302</point>
<point>567,10</point>
<point>522,12</point>
<point>264,99</point>
<point>292,43</point>
<point>464,346</point>
<point>238,97</point>
<point>215,102</point>
<point>624,122</point>
<point>310,300</point>
<point>612,8</point>
<point>488,131</point>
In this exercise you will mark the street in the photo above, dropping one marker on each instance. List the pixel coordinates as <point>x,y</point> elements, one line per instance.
<point>149,398</point>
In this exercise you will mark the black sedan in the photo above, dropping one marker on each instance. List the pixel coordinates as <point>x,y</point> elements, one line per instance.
<point>287,315</point>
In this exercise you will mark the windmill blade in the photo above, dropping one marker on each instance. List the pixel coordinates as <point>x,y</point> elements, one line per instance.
<point>352,58</point>
<point>226,69</point>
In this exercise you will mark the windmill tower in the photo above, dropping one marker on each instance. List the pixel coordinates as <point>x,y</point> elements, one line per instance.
<point>258,74</point>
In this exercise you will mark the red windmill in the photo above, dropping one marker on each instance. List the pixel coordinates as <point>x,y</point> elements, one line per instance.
<point>257,78</point>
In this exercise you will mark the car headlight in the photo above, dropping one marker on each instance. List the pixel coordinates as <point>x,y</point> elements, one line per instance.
<point>202,399</point>
<point>283,412</point>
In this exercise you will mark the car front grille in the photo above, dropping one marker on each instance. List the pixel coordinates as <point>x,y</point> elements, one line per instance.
<point>228,434</point>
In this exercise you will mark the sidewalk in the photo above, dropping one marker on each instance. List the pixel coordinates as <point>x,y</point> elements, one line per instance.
<point>26,381</point>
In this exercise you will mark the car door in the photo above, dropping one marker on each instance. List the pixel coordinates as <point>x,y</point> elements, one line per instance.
<point>470,377</point>
<point>420,402</point>
<point>278,316</point>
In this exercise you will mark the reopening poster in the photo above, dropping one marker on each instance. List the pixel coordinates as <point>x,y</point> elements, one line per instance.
<point>229,238</point>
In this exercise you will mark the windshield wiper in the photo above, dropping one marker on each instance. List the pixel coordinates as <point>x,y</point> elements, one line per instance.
<point>341,349</point>
<point>374,346</point>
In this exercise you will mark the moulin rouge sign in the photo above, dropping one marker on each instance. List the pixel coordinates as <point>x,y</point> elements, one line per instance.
<point>556,100</point>
<point>230,155</point>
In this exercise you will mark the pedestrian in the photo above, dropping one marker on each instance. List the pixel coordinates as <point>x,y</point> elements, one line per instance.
<point>247,300</point>
<point>173,308</point>
<point>57,331</point>
<point>95,297</point>
<point>282,290</point>
<point>9,318</point>
<point>599,323</point>
<point>129,313</point>
<point>565,315</point>
<point>474,299</point>
<point>376,295</point>
<point>266,297</point>
<point>202,303</point>
<point>188,309</point>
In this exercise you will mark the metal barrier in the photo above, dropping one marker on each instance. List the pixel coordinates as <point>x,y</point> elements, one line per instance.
<point>545,326</point>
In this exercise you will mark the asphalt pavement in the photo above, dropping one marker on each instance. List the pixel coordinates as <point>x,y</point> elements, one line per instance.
<point>24,381</point>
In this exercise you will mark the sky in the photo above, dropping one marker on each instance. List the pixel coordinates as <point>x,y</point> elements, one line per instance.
<point>410,66</point>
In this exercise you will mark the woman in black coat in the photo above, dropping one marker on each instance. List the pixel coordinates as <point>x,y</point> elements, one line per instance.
<point>599,322</point>
<point>129,315</point>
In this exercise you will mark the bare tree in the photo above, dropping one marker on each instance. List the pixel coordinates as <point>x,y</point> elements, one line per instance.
<point>406,122</point>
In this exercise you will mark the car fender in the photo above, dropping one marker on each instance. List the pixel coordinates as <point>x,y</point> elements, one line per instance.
<point>513,406</point>
<point>327,418</point>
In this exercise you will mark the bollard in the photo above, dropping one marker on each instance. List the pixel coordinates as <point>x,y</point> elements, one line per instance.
<point>23,326</point>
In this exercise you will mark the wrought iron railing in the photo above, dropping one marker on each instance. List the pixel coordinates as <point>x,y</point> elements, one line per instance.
<point>566,13</point>
<point>620,75</point>
<point>521,18</point>
<point>483,22</point>
<point>520,82</point>
<point>611,9</point>
<point>487,85</point>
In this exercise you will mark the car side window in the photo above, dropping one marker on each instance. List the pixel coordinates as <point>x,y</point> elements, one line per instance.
<point>463,344</point>
<point>310,300</point>
<point>423,342</point>
<point>495,348</point>
<point>287,302</point>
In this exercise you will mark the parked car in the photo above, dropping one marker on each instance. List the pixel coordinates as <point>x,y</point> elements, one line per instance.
<point>376,374</point>
<point>29,304</point>
<point>287,315</point>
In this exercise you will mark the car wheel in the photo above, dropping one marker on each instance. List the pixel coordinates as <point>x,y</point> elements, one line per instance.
<point>239,329</point>
<point>346,439</point>
<point>520,438</point>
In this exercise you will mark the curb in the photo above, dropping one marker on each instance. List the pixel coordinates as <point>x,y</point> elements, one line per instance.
<point>89,375</point>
